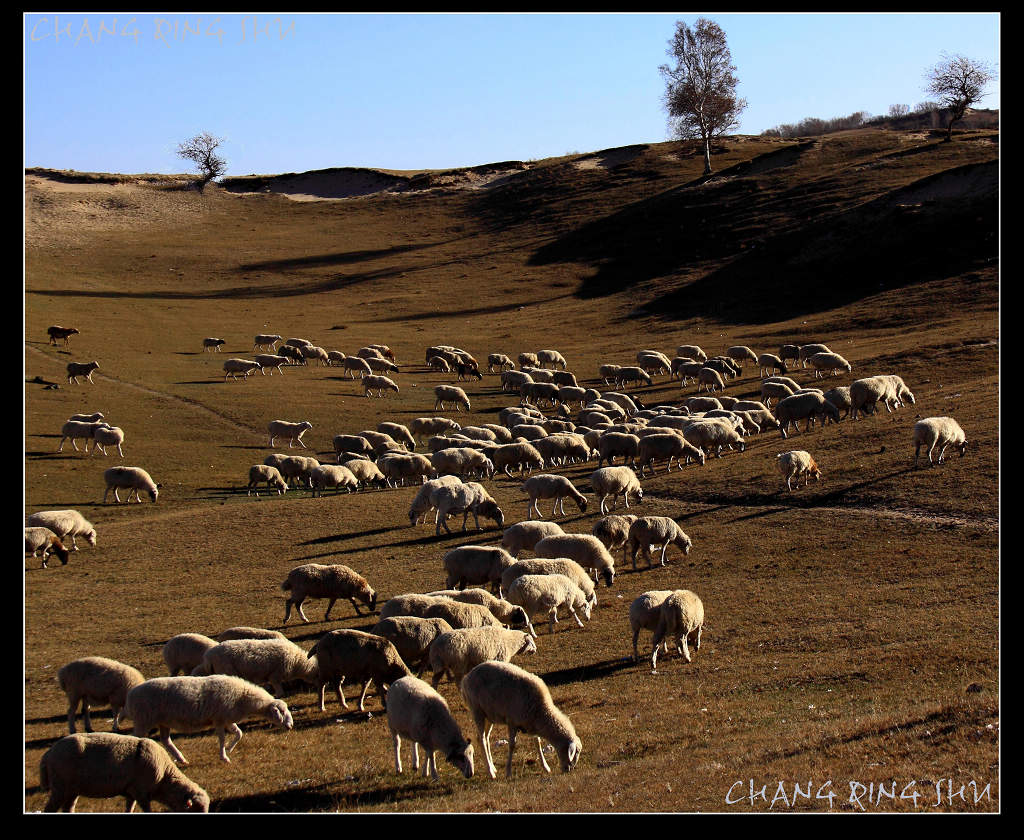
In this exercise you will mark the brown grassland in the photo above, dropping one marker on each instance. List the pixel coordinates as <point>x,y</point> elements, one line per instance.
<point>851,627</point>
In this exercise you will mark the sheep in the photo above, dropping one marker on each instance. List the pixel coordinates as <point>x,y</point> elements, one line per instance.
<point>538,392</point>
<point>831,362</point>
<point>269,360</point>
<point>294,354</point>
<point>523,536</point>
<point>79,429</point>
<point>713,434</point>
<point>335,357</point>
<point>615,482</point>
<point>297,467</point>
<point>550,486</point>
<point>564,379</point>
<point>546,593</point>
<point>775,391</point>
<point>213,344</point>
<point>63,333</point>
<point>800,406</point>
<point>100,681</point>
<point>385,351</point>
<point>608,372</point>
<point>76,369</point>
<point>461,461</point>
<point>866,393</point>
<point>365,472</point>
<point>134,479</point>
<point>421,503</point>
<point>941,432</point>
<point>352,444</point>
<point>671,446</point>
<point>526,411</point>
<point>263,340</point>
<point>104,436</point>
<point>550,566</point>
<point>585,549</point>
<point>464,498</point>
<point>499,360</point>
<point>528,360</point>
<point>298,342</point>
<point>742,353</point>
<point>768,362</point>
<point>691,351</point>
<point>423,427</point>
<point>353,365</point>
<point>612,444</point>
<point>369,353</point>
<point>242,366</point>
<point>410,604</point>
<point>441,363</point>
<point>762,418</point>
<point>332,582</point>
<point>841,398</point>
<point>550,358</point>
<point>411,636</point>
<point>398,433</point>
<point>106,764</point>
<point>741,421</point>
<point>709,378</point>
<point>396,467</point>
<point>261,662</point>
<point>64,523</point>
<point>529,431</point>
<point>797,463</point>
<point>195,703</point>
<point>626,375</point>
<point>645,613</point>
<point>418,712</point>
<point>184,652</point>
<point>789,351</point>
<point>613,530</point>
<point>284,428</point>
<point>472,565</point>
<point>244,632</point>
<point>501,609</point>
<point>259,473</point>
<point>805,351</point>
<point>86,418</point>
<point>380,384</point>
<point>500,692</point>
<point>357,657</point>
<point>450,394</point>
<point>681,613</point>
<point>521,455</point>
<point>43,538</point>
<point>654,530</point>
<point>465,370</point>
<point>457,652</point>
<point>725,366</point>
<point>562,448</point>
<point>501,433</point>
<point>332,475</point>
<point>653,361</point>
<point>695,404</point>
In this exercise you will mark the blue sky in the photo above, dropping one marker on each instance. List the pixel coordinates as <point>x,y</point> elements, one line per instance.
<point>293,92</point>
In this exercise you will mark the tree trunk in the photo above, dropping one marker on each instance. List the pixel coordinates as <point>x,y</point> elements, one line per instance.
<point>707,155</point>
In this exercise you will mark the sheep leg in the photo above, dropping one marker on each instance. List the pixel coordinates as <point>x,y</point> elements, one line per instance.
<point>485,742</point>
<point>85,714</point>
<point>356,606</point>
<point>512,732</point>
<point>165,739</point>
<point>552,619</point>
<point>341,694</point>
<point>398,756</point>
<point>686,649</point>
<point>72,710</point>
<point>302,615</point>
<point>664,549</point>
<point>697,643</point>
<point>362,697</point>
<point>573,613</point>
<point>603,511</point>
<point>330,604</point>
<point>540,752</point>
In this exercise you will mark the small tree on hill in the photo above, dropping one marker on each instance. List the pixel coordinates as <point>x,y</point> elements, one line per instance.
<point>201,150</point>
<point>899,110</point>
<point>700,93</point>
<point>959,82</point>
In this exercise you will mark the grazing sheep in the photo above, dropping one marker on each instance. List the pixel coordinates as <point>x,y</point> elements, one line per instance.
<point>585,549</point>
<point>795,464</point>
<point>398,433</point>
<point>457,652</point>
<point>411,603</point>
<point>450,394</point>
<point>63,333</point>
<point>523,536</point>
<point>450,500</point>
<point>613,530</point>
<point>86,418</point>
<point>550,358</point>
<point>550,486</point>
<point>728,368</point>
<point>462,461</point>
<point>831,362</point>
<point>799,406</point>
<point>805,352</point>
<point>45,539</point>
<point>332,475</point>
<point>422,715</point>
<point>550,566</point>
<point>353,445</point>
<point>513,380</point>
<point>332,582</point>
<point>789,352</point>
<point>261,662</point>
<point>134,479</point>
<point>691,351</point>
<point>412,637</point>
<point>503,693</point>
<point>672,446</point>
<point>762,418</point>
<point>562,448</point>
<point>654,530</point>
<point>501,609</point>
<point>292,431</point>
<point>528,360</point>
<point>645,613</point>
<point>353,365</point>
<point>682,614</point>
<point>184,652</point>
<point>242,366</point>
<point>243,632</point>
<point>262,340</point>
<point>64,523</point>
<point>547,593</point>
<point>713,434</point>
<point>474,565</point>
<point>298,342</point>
<point>841,398</point>
<point>538,392</point>
<point>465,370</point>
<point>710,378</point>
<point>866,393</point>
<point>613,444</point>
<point>105,764</point>
<point>79,429</point>
<point>626,375</point>
<point>608,372</point>
<point>741,353</point>
<point>529,431</point>
<point>196,703</point>
<point>357,657</point>
<point>365,472</point>
<point>775,391</point>
<point>653,361</point>
<point>262,473</point>
<point>297,467</point>
<point>76,369</point>
<point>615,482</point>
<point>294,354</point>
<point>695,404</point>
<point>397,467</point>
<point>769,363</point>
<point>100,681</point>
<point>423,427</point>
<point>421,504</point>
<point>941,432</point>
<point>104,436</point>
<point>382,365</point>
<point>213,344</point>
<point>380,384</point>
<point>499,360</point>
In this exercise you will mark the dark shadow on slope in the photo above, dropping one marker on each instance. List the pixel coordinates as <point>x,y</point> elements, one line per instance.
<point>339,258</point>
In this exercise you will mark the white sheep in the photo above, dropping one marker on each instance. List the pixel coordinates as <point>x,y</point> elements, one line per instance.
<point>691,351</point>
<point>244,632</point>
<point>357,657</point>
<point>100,681</point>
<point>585,549</point>
<point>242,366</point>
<point>382,365</point>
<point>768,362</point>
<point>546,594</point>
<point>797,464</point>
<point>417,712</point>
<point>615,482</point>
<point>286,429</point>
<point>380,384</point>
<point>76,369</point>
<point>710,378</point>
<point>64,523</point>
<point>354,365</point>
<point>462,461</point>
<point>87,418</point>
<point>800,406</point>
<point>551,486</point>
<point>503,693</point>
<point>43,538</point>
<point>263,340</point>
<point>365,472</point>
<point>654,530</point>
<point>298,342</point>
<point>352,445</point>
<point>134,479</point>
<point>645,613</point>
<point>450,394</point>
<point>423,427</point>
<point>831,362</point>
<point>421,504</point>
<point>297,467</point>
<point>741,353</point>
<point>499,360</point>
<point>941,432</point>
<point>805,351</point>
<point>773,390</point>
<point>671,446</point>
<point>523,536</point>
<point>467,498</point>
<point>332,475</point>
<point>506,613</point>
<point>473,565</point>
<point>457,652</point>
<point>841,398</point>
<point>397,467</point>
<point>550,358</point>
<point>713,434</point>
<point>262,473</point>
<point>196,703</point>
<point>890,390</point>
<point>399,433</point>
<point>528,360</point>
<point>613,530</point>
<point>104,436</point>
<point>681,614</point>
<point>335,357</point>
<point>411,636</point>
<point>63,333</point>
<point>184,652</point>
<point>105,764</point>
<point>550,566</point>
<point>261,662</point>
<point>626,375</point>
<point>314,580</point>
<point>78,429</point>
<point>213,344</point>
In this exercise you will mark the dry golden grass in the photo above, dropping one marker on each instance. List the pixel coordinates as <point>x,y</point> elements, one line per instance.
<point>851,626</point>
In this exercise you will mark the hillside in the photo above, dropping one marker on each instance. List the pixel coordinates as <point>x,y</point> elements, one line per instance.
<point>852,626</point>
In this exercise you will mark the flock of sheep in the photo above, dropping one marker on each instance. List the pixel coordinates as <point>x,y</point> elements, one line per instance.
<point>470,631</point>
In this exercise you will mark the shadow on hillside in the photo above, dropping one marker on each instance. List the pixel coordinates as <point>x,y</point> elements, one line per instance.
<point>445,312</point>
<point>322,798</point>
<point>582,673</point>
<point>338,258</point>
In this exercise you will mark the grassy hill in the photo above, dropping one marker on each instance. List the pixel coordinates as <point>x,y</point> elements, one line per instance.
<point>851,627</point>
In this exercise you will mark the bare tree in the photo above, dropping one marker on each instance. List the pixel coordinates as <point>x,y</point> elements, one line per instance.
<point>700,93</point>
<point>201,150</point>
<point>899,110</point>
<point>959,82</point>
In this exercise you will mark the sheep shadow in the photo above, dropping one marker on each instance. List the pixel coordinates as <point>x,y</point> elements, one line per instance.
<point>201,382</point>
<point>593,671</point>
<point>323,798</point>
<point>338,537</point>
